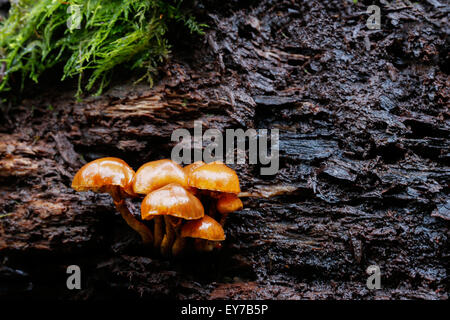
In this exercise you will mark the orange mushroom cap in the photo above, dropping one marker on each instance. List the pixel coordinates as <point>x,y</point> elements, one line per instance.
<point>191,167</point>
<point>215,176</point>
<point>205,228</point>
<point>172,200</point>
<point>229,203</point>
<point>188,170</point>
<point>156,174</point>
<point>101,174</point>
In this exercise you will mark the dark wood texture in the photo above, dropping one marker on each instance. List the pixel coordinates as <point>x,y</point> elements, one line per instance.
<point>363,173</point>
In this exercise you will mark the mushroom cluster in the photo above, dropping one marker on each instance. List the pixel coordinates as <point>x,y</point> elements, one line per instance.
<point>174,201</point>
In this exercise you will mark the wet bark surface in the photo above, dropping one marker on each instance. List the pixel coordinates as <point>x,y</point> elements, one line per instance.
<point>364,161</point>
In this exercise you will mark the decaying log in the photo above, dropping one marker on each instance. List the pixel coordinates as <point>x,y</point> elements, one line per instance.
<point>363,178</point>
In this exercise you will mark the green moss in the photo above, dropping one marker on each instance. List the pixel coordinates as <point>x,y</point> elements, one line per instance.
<point>89,38</point>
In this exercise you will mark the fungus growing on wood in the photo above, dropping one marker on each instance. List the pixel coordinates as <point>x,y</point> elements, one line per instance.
<point>214,179</point>
<point>113,176</point>
<point>175,204</point>
<point>191,167</point>
<point>188,171</point>
<point>156,174</point>
<point>152,176</point>
<point>206,231</point>
<point>228,203</point>
<point>168,198</point>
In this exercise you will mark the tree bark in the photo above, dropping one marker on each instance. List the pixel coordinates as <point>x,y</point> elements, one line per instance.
<point>363,178</point>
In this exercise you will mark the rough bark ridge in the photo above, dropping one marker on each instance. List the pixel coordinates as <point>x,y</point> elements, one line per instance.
<point>363,173</point>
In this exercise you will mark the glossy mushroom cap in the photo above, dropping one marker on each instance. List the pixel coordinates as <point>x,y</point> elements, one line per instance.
<point>156,174</point>
<point>205,228</point>
<point>172,200</point>
<point>102,174</point>
<point>191,167</point>
<point>215,176</point>
<point>229,203</point>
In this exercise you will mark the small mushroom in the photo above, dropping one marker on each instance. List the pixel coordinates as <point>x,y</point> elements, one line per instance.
<point>174,203</point>
<point>156,174</point>
<point>188,171</point>
<point>228,203</point>
<point>214,179</point>
<point>113,176</point>
<point>215,176</point>
<point>207,233</point>
<point>152,176</point>
<point>191,167</point>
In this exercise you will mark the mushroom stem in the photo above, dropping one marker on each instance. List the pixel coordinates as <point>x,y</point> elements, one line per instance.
<point>180,242</point>
<point>203,245</point>
<point>139,227</point>
<point>178,246</point>
<point>158,232</point>
<point>212,209</point>
<point>168,239</point>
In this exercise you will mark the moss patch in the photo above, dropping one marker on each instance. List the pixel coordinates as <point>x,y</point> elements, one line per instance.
<point>90,38</point>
